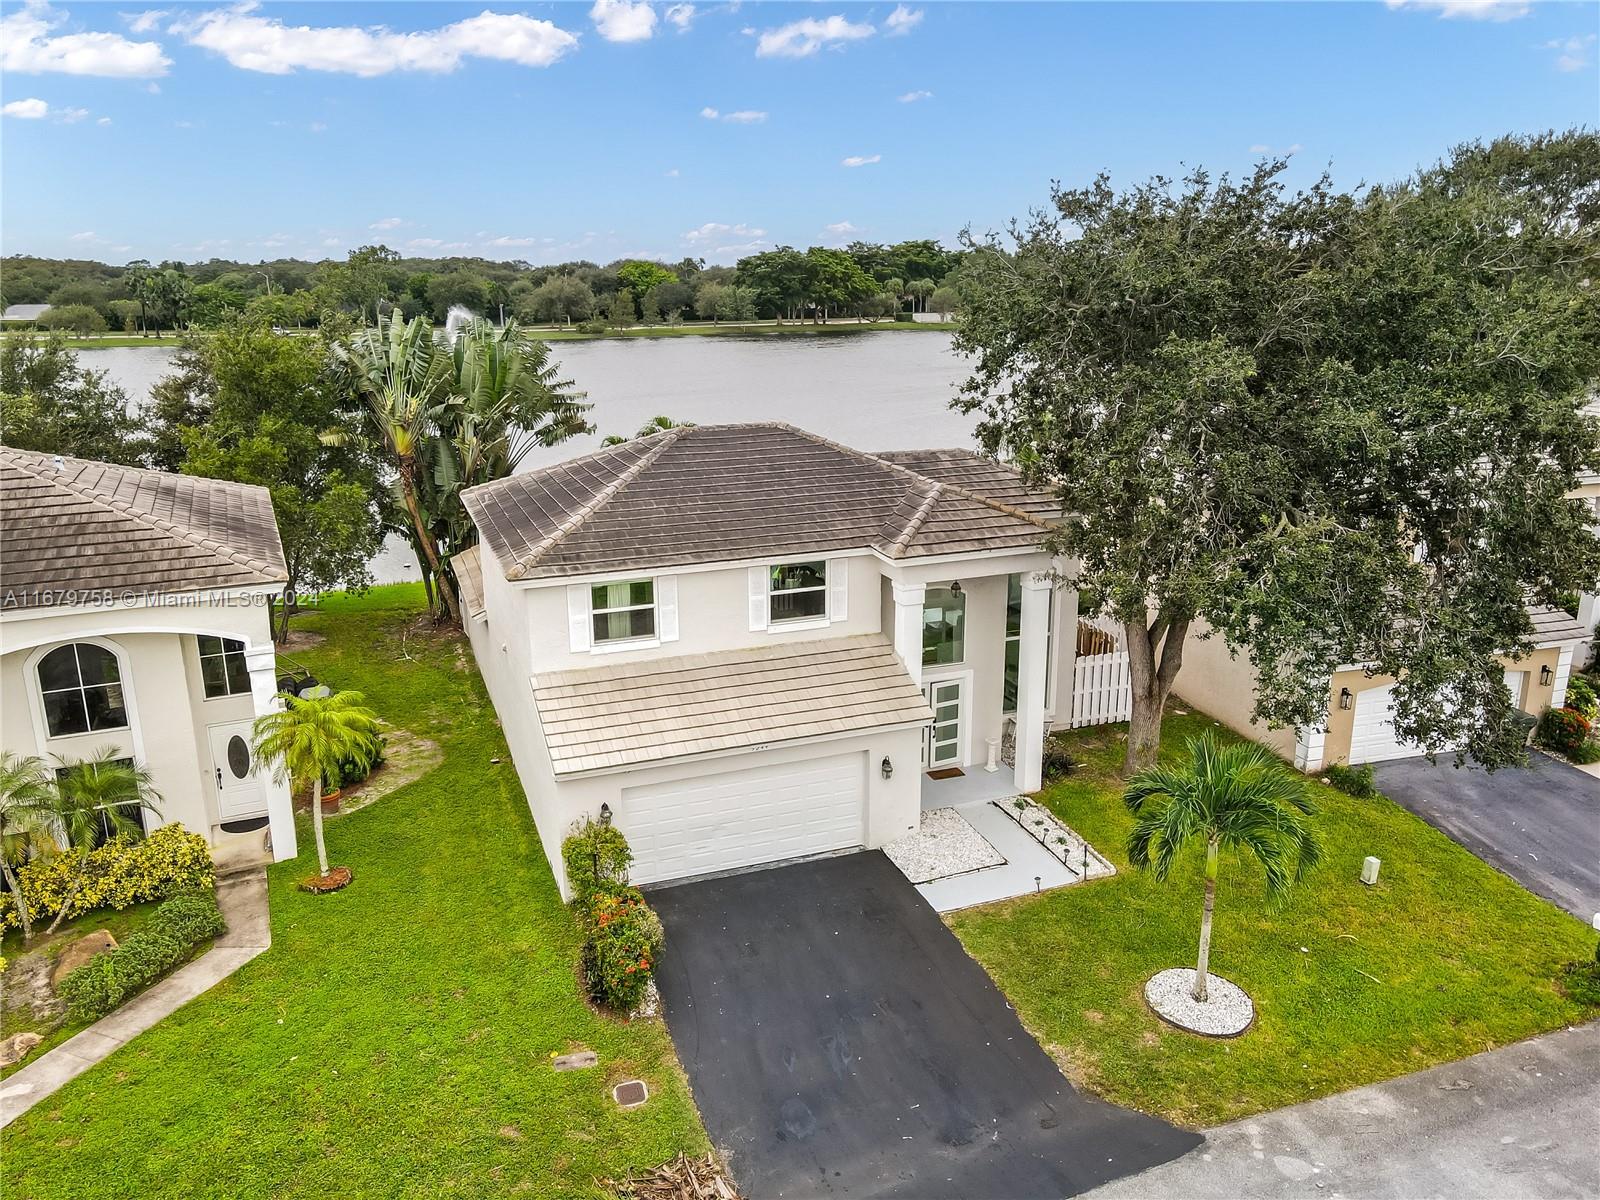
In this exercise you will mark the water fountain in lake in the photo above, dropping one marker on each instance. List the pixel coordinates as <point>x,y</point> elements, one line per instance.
<point>457,319</point>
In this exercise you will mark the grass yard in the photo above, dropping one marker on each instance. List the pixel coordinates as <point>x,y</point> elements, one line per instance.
<point>396,1039</point>
<point>1443,958</point>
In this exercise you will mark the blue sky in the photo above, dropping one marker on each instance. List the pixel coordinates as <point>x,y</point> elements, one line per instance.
<point>598,130</point>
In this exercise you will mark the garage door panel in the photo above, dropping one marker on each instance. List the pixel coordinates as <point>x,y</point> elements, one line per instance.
<point>1372,732</point>
<point>745,816</point>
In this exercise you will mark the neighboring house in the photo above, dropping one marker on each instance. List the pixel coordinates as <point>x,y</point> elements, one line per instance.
<point>1588,490</point>
<point>133,616</point>
<point>23,314</point>
<point>1359,724</point>
<point>746,644</point>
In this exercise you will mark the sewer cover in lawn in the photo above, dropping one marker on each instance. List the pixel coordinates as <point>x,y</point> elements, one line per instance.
<point>630,1094</point>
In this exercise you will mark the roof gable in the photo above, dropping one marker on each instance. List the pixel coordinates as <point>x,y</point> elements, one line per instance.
<point>719,493</point>
<point>73,527</point>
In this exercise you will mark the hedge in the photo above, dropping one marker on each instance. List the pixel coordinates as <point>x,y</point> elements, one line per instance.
<point>115,875</point>
<point>176,928</point>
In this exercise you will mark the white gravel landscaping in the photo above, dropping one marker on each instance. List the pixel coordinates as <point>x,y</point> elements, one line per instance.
<point>1057,837</point>
<point>945,845</point>
<point>1227,1011</point>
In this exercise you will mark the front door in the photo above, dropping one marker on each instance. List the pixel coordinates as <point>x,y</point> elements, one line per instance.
<point>941,744</point>
<point>239,791</point>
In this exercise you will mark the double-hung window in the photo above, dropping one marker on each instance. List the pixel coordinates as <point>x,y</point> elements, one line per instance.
<point>798,592</point>
<point>222,667</point>
<point>623,611</point>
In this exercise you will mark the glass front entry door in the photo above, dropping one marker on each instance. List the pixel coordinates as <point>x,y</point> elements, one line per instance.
<point>941,745</point>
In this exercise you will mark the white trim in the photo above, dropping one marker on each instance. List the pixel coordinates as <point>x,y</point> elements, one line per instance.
<point>666,596</point>
<point>836,574</point>
<point>1558,691</point>
<point>1310,746</point>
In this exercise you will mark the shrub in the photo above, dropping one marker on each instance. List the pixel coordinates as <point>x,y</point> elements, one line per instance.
<point>121,872</point>
<point>594,325</point>
<point>596,856</point>
<point>1563,729</point>
<point>176,928</point>
<point>1583,699</point>
<point>1581,979</point>
<point>1587,752</point>
<point>1057,762</point>
<point>620,951</point>
<point>1353,781</point>
<point>190,918</point>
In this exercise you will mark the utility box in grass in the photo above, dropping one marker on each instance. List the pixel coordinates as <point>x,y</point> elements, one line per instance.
<point>1369,870</point>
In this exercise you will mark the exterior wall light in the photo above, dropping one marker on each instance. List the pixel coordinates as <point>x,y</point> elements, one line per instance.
<point>887,768</point>
<point>955,587</point>
<point>605,813</point>
<point>1346,698</point>
<point>1545,676</point>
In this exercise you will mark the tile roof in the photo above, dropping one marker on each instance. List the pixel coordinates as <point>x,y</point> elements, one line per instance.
<point>1553,627</point>
<point>668,708</point>
<point>74,526</point>
<point>468,568</point>
<point>719,493</point>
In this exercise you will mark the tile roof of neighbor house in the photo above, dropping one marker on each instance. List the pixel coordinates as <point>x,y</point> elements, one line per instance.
<point>72,527</point>
<point>1553,627</point>
<point>468,566</point>
<point>645,712</point>
<point>719,493</point>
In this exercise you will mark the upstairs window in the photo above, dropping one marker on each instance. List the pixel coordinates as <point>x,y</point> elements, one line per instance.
<point>797,592</point>
<point>623,611</point>
<point>944,626</point>
<point>81,685</point>
<point>222,667</point>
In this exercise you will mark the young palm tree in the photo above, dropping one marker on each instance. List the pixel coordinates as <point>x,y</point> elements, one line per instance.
<point>91,794</point>
<point>1236,796</point>
<point>27,822</point>
<point>307,739</point>
<point>405,381</point>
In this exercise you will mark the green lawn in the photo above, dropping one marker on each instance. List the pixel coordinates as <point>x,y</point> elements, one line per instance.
<point>396,1039</point>
<point>1443,958</point>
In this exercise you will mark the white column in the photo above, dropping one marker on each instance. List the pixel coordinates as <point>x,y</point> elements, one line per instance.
<point>908,601</point>
<point>1031,668</point>
<point>1588,611</point>
<point>263,664</point>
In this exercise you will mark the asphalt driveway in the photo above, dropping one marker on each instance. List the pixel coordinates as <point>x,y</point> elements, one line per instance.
<point>839,1041</point>
<point>1540,824</point>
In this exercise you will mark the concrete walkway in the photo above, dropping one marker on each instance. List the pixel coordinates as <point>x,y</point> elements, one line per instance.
<point>1521,1122</point>
<point>243,900</point>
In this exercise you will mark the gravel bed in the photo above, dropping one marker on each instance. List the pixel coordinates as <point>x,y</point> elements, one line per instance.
<point>1059,838</point>
<point>1227,1011</point>
<point>945,845</point>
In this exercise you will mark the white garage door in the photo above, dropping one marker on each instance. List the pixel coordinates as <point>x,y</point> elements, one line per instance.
<point>1372,736</point>
<point>741,818</point>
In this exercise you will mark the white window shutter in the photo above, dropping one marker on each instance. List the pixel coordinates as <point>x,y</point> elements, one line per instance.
<point>758,598</point>
<point>838,589</point>
<point>667,608</point>
<point>578,617</point>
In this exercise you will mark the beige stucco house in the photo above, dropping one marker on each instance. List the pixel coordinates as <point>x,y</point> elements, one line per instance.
<point>746,644</point>
<point>133,616</point>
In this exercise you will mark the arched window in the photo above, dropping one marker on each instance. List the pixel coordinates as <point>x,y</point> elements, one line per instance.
<point>82,689</point>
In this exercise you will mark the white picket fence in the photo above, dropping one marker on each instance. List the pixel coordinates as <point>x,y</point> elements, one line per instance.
<point>1102,688</point>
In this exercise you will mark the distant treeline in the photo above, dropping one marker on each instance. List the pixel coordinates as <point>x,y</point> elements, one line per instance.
<point>864,279</point>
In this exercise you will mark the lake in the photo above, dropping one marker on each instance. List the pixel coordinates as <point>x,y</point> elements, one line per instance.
<point>874,391</point>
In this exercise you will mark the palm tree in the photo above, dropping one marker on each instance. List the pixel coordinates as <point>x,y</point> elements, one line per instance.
<point>27,822</point>
<point>1237,797</point>
<point>92,795</point>
<point>406,383</point>
<point>307,739</point>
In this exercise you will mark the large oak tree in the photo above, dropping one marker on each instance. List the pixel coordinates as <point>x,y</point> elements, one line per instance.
<point>1330,428</point>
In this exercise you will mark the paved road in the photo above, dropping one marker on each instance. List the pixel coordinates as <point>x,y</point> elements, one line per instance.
<point>1522,1123</point>
<point>1540,824</point>
<point>840,1042</point>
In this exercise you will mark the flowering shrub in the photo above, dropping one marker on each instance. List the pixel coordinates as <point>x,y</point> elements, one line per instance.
<point>623,941</point>
<point>1563,729</point>
<point>175,929</point>
<point>596,856</point>
<point>1582,698</point>
<point>115,875</point>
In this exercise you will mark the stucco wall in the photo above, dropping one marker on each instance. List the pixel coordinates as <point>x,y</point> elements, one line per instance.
<point>1224,686</point>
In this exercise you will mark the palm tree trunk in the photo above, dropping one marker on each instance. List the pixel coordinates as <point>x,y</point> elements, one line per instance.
<point>23,917</point>
<point>1199,992</point>
<point>316,823</point>
<point>66,904</point>
<point>408,487</point>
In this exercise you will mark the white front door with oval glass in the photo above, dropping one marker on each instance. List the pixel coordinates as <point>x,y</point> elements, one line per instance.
<point>941,744</point>
<point>239,791</point>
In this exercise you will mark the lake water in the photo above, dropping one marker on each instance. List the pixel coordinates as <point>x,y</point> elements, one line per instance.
<point>873,391</point>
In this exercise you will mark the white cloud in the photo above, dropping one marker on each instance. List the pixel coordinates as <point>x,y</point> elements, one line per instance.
<point>153,88</point>
<point>103,121</point>
<point>26,46</point>
<point>504,240</point>
<point>144,22</point>
<point>1469,10</point>
<point>88,235</point>
<point>716,231</point>
<point>387,223</point>
<point>902,20</point>
<point>841,228</point>
<point>913,97</point>
<point>264,44</point>
<point>799,39</point>
<point>1261,148</point>
<point>71,116</point>
<point>623,20</point>
<point>681,15</point>
<point>745,116</point>
<point>860,160</point>
<point>318,127</point>
<point>672,172</point>
<point>1286,151</point>
<point>1573,52</point>
<point>709,113</point>
<point>414,243</point>
<point>31,109</point>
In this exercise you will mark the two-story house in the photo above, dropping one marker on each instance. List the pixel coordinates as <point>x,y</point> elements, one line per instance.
<point>133,617</point>
<point>746,644</point>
